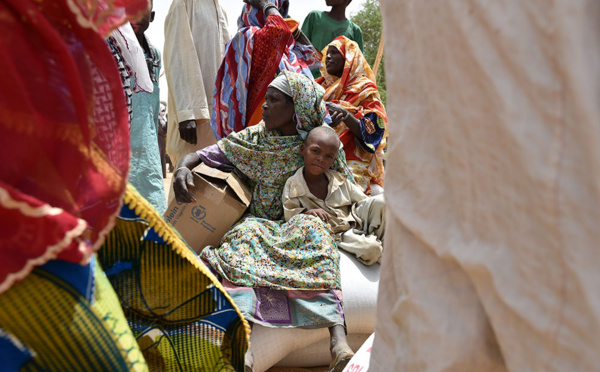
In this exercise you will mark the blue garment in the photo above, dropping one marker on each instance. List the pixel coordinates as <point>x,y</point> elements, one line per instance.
<point>145,172</point>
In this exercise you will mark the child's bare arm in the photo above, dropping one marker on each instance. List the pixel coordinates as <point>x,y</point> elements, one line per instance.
<point>324,216</point>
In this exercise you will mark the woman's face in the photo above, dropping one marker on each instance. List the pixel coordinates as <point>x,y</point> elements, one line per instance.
<point>334,62</point>
<point>278,111</point>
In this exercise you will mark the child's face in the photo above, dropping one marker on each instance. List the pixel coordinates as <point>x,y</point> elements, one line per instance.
<point>319,153</point>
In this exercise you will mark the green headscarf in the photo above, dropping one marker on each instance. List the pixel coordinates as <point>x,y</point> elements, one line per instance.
<point>308,102</point>
<point>269,159</point>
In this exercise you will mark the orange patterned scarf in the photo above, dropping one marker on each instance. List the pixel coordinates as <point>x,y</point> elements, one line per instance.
<point>357,92</point>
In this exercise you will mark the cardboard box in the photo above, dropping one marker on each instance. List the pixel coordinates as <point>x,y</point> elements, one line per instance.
<point>221,199</point>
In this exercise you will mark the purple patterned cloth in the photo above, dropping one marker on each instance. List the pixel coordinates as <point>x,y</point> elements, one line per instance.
<point>213,157</point>
<point>288,309</point>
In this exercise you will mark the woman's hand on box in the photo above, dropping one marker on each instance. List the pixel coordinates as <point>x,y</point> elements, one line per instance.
<point>183,179</point>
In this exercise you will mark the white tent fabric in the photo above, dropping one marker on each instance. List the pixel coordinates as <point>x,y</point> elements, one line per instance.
<point>493,187</point>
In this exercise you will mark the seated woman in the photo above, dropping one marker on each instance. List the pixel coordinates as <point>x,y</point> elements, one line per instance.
<point>264,44</point>
<point>280,274</point>
<point>356,110</point>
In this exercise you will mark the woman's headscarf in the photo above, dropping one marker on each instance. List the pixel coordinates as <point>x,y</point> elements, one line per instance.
<point>65,138</point>
<point>357,83</point>
<point>281,84</point>
<point>233,103</point>
<point>356,91</point>
<point>308,100</point>
<point>269,159</point>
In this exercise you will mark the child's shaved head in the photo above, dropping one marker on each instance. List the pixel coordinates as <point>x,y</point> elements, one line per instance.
<point>324,131</point>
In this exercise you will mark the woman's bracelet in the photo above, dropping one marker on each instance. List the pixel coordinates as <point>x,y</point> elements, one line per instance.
<point>269,6</point>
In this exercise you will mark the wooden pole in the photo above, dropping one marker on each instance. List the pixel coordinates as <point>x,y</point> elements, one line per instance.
<point>379,55</point>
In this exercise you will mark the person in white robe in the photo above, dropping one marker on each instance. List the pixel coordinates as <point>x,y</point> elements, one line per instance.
<point>195,38</point>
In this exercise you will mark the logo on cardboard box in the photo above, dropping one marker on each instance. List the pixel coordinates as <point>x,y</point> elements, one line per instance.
<point>198,213</point>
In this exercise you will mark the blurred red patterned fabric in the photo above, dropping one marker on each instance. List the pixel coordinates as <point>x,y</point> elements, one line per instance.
<point>64,140</point>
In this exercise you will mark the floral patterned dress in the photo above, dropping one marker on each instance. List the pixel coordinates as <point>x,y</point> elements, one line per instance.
<point>279,274</point>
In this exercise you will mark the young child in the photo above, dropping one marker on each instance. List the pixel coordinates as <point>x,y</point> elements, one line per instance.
<point>357,219</point>
<point>322,28</point>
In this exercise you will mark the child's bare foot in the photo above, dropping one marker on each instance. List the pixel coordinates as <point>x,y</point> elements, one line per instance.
<point>341,353</point>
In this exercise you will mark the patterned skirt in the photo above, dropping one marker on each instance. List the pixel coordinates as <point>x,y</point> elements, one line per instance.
<point>281,274</point>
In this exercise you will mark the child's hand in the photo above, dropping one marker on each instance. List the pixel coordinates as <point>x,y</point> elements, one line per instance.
<point>324,216</point>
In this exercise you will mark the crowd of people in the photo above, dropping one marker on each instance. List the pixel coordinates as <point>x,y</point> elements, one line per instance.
<point>491,201</point>
<point>310,150</point>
